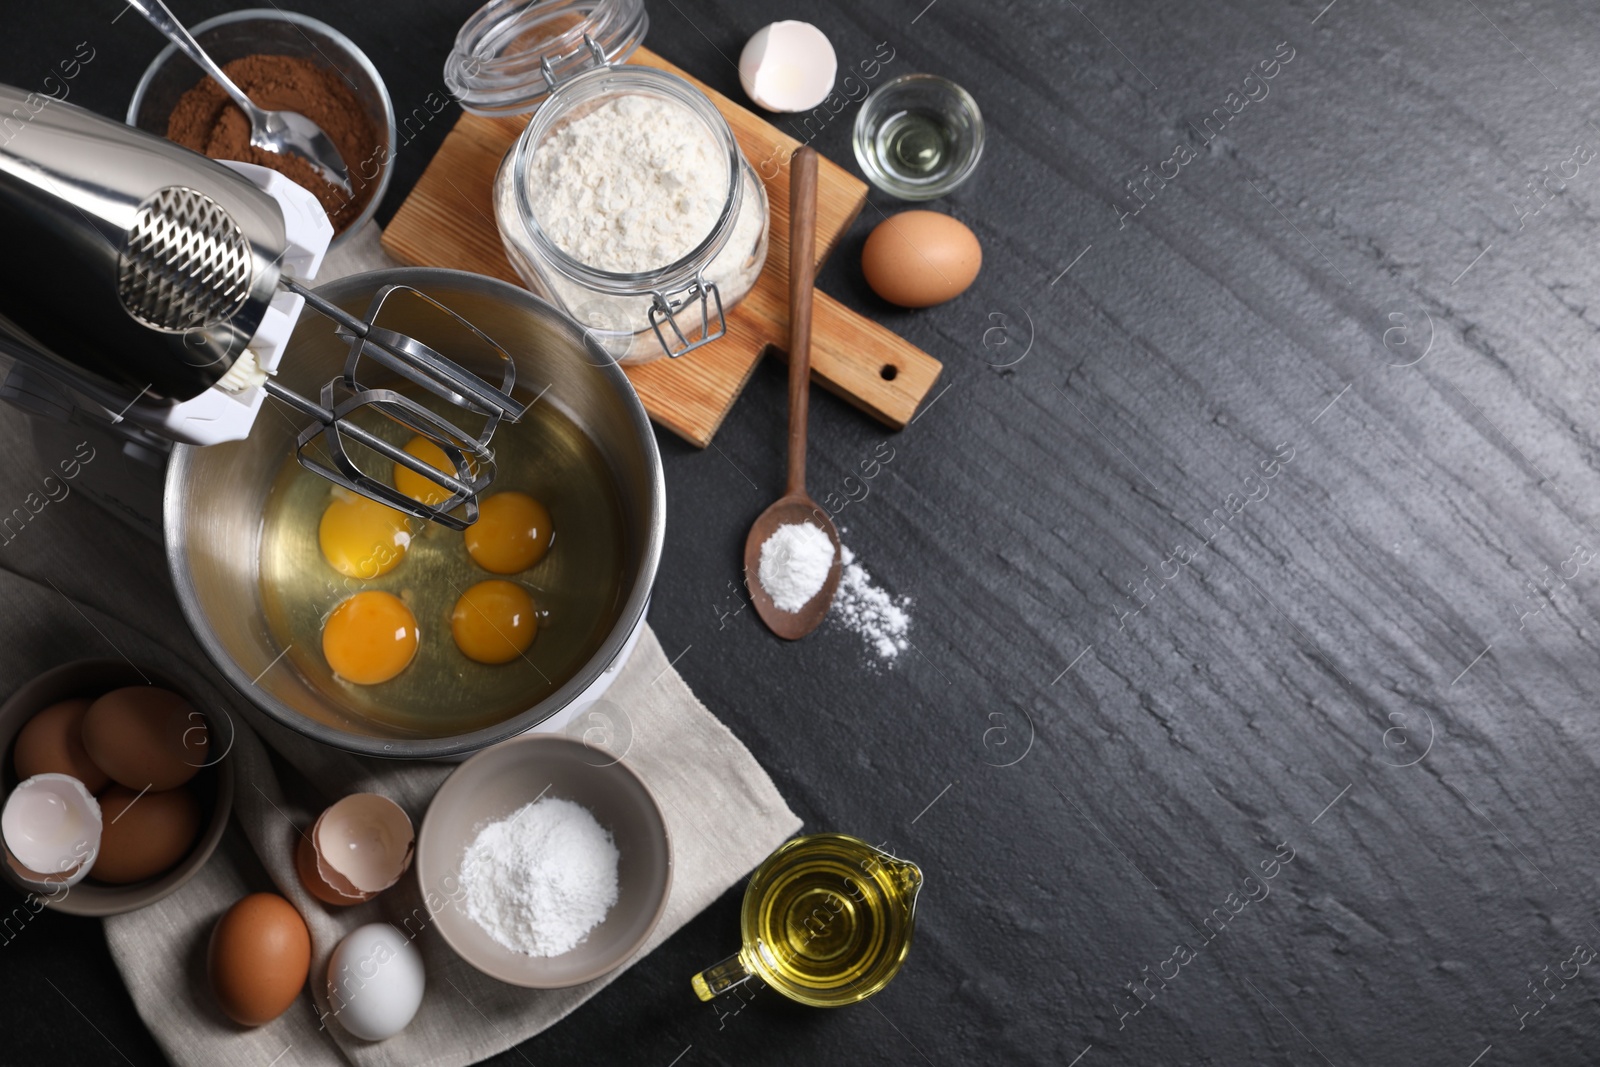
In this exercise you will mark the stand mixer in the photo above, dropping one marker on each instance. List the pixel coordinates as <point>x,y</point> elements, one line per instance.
<point>150,292</point>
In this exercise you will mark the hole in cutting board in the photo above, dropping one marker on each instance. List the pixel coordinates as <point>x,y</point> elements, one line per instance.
<point>888,372</point>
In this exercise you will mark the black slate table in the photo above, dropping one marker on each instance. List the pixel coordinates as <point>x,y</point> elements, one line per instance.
<point>1250,711</point>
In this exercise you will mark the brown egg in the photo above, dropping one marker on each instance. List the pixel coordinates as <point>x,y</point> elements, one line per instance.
<point>51,743</point>
<point>145,737</point>
<point>920,258</point>
<point>142,836</point>
<point>258,959</point>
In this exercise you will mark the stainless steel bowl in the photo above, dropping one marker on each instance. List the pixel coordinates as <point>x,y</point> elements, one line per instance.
<point>215,497</point>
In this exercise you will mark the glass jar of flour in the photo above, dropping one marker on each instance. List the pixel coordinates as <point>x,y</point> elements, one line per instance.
<point>626,200</point>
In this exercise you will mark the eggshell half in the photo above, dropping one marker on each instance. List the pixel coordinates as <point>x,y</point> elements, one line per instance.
<point>788,66</point>
<point>363,844</point>
<point>305,864</point>
<point>52,829</point>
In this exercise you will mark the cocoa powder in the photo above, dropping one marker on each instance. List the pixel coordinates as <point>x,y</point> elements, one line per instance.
<point>206,120</point>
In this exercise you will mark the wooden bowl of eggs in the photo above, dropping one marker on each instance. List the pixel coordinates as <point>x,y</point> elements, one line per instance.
<point>116,785</point>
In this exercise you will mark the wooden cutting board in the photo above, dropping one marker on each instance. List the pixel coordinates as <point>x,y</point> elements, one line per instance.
<point>448,221</point>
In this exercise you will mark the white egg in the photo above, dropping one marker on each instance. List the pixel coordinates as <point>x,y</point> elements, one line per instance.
<point>375,982</point>
<point>51,825</point>
<point>788,66</point>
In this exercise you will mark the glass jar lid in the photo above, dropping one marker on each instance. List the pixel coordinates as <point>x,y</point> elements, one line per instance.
<point>511,53</point>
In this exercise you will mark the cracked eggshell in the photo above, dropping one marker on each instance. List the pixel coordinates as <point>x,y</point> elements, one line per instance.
<point>305,863</point>
<point>52,827</point>
<point>788,66</point>
<point>360,846</point>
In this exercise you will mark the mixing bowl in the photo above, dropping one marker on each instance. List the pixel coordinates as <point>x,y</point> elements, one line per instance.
<point>216,496</point>
<point>273,31</point>
<point>491,786</point>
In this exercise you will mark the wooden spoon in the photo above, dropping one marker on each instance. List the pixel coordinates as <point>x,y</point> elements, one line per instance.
<point>795,506</point>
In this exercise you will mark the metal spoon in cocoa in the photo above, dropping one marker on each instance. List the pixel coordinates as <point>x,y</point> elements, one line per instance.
<point>795,506</point>
<point>278,132</point>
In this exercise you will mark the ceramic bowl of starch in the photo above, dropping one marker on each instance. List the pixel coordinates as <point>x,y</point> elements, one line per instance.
<point>545,862</point>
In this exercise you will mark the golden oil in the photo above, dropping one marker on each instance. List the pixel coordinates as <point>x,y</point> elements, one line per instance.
<point>827,919</point>
<point>576,587</point>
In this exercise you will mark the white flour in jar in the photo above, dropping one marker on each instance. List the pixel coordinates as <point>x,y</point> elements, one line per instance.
<point>540,879</point>
<point>635,185</point>
<point>632,186</point>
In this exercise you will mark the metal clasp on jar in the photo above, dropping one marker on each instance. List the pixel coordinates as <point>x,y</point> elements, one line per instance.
<point>664,308</point>
<point>597,57</point>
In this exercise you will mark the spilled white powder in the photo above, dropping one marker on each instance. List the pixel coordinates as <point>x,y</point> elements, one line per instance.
<point>795,560</point>
<point>540,879</point>
<point>880,619</point>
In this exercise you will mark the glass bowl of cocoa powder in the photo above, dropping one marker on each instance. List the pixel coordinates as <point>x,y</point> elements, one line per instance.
<point>283,61</point>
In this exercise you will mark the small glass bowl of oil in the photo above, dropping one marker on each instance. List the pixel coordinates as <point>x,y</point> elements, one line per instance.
<point>918,136</point>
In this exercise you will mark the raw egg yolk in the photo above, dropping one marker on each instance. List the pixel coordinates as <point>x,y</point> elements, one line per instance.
<point>512,533</point>
<point>369,638</point>
<point>415,485</point>
<point>493,622</point>
<point>361,537</point>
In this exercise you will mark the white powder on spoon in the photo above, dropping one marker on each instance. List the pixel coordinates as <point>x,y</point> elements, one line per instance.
<point>540,879</point>
<point>795,560</point>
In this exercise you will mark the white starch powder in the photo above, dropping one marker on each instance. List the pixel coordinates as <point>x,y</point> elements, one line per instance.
<point>795,560</point>
<point>633,185</point>
<point>880,619</point>
<point>637,184</point>
<point>540,879</point>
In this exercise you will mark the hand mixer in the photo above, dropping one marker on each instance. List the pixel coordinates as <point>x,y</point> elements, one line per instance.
<point>158,288</point>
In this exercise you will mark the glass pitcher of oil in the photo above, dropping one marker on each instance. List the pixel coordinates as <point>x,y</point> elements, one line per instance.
<point>826,921</point>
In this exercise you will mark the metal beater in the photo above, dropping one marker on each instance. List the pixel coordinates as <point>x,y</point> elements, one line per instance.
<point>146,287</point>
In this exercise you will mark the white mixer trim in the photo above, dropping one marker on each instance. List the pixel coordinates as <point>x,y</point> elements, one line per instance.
<point>227,410</point>
<point>245,373</point>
